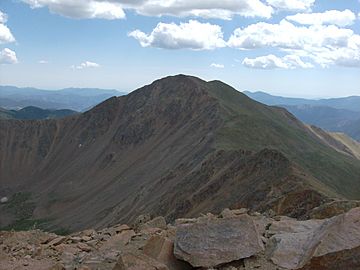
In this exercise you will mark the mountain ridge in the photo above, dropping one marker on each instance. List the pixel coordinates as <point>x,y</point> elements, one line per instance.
<point>177,147</point>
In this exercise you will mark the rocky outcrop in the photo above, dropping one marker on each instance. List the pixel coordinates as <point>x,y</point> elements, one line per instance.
<point>236,239</point>
<point>213,241</point>
<point>296,244</point>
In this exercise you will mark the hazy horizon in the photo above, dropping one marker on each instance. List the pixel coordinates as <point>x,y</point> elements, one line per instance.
<point>302,48</point>
<point>121,90</point>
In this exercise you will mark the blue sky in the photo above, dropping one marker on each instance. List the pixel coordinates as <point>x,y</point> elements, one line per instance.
<point>308,48</point>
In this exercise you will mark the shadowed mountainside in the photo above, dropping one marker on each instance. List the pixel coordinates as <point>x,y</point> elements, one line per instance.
<point>178,147</point>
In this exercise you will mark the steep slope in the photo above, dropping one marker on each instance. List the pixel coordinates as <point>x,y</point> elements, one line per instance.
<point>34,113</point>
<point>251,125</point>
<point>339,141</point>
<point>353,129</point>
<point>177,147</point>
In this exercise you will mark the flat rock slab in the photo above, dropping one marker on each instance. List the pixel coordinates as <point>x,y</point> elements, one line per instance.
<point>216,241</point>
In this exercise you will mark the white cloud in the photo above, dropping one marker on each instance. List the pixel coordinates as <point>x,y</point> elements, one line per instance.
<point>5,34</point>
<point>325,45</point>
<point>8,56</point>
<point>86,64</point>
<point>292,5</point>
<point>3,17</point>
<point>272,62</point>
<point>215,65</point>
<point>43,62</point>
<point>82,9</point>
<point>192,35</point>
<point>224,9</point>
<point>114,9</point>
<point>336,17</point>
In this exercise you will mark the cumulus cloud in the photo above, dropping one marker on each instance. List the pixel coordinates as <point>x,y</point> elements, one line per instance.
<point>82,9</point>
<point>292,5</point>
<point>5,34</point>
<point>86,64</point>
<point>272,62</point>
<point>325,45</point>
<point>225,9</point>
<point>192,35</point>
<point>336,17</point>
<point>114,9</point>
<point>3,17</point>
<point>215,65</point>
<point>8,56</point>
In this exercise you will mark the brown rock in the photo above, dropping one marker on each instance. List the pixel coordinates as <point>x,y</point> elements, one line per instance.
<point>329,242</point>
<point>150,231</point>
<point>345,259</point>
<point>75,239</point>
<point>118,241</point>
<point>227,213</point>
<point>185,221</point>
<point>332,209</point>
<point>89,232</point>
<point>142,219</point>
<point>158,222</point>
<point>120,228</point>
<point>57,241</point>
<point>84,247</point>
<point>217,241</point>
<point>138,261</point>
<point>84,267</point>
<point>162,249</point>
<point>57,266</point>
<point>86,238</point>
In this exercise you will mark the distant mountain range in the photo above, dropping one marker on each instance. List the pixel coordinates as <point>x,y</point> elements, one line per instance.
<point>178,147</point>
<point>336,114</point>
<point>34,113</point>
<point>351,103</point>
<point>77,99</point>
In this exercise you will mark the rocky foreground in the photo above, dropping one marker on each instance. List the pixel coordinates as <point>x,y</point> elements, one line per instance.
<point>236,239</point>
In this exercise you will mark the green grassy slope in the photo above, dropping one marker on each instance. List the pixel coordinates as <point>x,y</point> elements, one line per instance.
<point>254,126</point>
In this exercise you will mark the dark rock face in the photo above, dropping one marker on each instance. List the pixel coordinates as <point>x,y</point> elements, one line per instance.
<point>210,242</point>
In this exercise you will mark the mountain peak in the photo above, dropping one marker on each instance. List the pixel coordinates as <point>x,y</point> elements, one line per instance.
<point>177,147</point>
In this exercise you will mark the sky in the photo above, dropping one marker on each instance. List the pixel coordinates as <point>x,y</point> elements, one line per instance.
<point>295,48</point>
